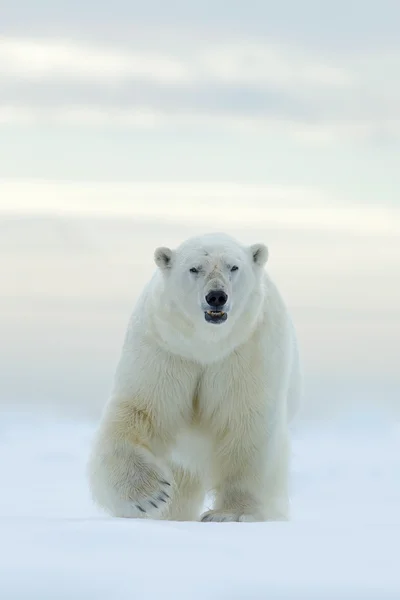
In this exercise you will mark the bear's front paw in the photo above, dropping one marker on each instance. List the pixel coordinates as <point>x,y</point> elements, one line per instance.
<point>148,488</point>
<point>134,484</point>
<point>219,516</point>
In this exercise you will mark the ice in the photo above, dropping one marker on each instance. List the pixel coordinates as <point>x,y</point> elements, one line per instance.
<point>341,543</point>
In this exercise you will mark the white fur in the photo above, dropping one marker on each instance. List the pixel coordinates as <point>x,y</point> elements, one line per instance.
<point>198,406</point>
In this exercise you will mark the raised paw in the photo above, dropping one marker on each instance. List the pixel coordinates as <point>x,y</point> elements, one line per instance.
<point>132,483</point>
<point>220,516</point>
<point>151,505</point>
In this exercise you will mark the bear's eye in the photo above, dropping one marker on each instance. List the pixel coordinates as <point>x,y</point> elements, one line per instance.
<point>194,270</point>
<point>234,268</point>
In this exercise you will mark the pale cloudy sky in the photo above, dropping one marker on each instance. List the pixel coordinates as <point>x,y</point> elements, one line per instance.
<point>281,93</point>
<point>275,121</point>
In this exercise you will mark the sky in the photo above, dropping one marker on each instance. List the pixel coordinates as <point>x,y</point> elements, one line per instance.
<point>289,93</point>
<point>128,125</point>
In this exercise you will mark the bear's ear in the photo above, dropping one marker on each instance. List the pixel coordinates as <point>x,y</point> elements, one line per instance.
<point>259,253</point>
<point>163,257</point>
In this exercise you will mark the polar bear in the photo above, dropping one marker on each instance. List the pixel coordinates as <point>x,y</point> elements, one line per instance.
<point>205,387</point>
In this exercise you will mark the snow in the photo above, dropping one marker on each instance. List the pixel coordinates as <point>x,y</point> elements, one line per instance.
<point>342,542</point>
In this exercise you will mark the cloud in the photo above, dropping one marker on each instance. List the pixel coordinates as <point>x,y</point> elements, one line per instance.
<point>279,206</point>
<point>242,83</point>
<point>142,117</point>
<point>259,64</point>
<point>41,59</point>
<point>240,63</point>
<point>340,26</point>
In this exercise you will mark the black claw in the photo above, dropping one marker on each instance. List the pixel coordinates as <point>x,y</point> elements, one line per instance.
<point>153,503</point>
<point>161,499</point>
<point>164,482</point>
<point>163,494</point>
<point>140,508</point>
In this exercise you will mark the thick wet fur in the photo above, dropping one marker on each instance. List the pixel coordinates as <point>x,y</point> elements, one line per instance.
<point>207,382</point>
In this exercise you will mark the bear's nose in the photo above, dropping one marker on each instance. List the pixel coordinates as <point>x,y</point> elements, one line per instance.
<point>216,298</point>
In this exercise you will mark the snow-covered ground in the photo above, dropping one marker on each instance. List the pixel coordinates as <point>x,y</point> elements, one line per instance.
<point>343,541</point>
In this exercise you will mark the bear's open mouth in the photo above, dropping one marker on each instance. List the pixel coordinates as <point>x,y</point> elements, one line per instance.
<point>215,316</point>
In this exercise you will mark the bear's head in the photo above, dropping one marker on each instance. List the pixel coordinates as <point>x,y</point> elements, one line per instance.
<point>212,279</point>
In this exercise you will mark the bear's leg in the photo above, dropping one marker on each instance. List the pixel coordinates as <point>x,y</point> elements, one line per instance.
<point>128,469</point>
<point>188,496</point>
<point>245,406</point>
<point>252,489</point>
<point>128,474</point>
<point>251,472</point>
